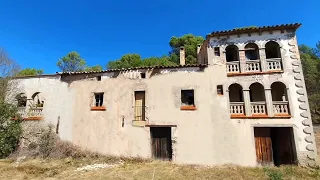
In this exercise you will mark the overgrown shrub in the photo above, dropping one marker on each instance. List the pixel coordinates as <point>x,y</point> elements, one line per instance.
<point>46,142</point>
<point>273,174</point>
<point>10,130</point>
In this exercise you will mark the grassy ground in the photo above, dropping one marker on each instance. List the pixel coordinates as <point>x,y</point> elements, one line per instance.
<point>132,169</point>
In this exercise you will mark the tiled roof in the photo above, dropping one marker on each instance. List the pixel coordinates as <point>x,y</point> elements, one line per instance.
<point>134,68</point>
<point>255,29</point>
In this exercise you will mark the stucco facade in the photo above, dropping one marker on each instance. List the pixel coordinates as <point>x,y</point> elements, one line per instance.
<point>207,134</point>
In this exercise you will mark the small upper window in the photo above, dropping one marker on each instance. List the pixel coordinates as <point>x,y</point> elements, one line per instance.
<point>220,90</point>
<point>216,51</point>
<point>98,99</point>
<point>187,98</point>
<point>98,78</point>
<point>143,75</point>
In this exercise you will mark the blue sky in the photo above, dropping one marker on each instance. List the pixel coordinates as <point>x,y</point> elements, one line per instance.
<point>36,33</point>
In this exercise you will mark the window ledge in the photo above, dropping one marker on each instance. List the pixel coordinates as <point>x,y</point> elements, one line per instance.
<point>32,119</point>
<point>190,108</point>
<point>98,108</point>
<point>253,73</point>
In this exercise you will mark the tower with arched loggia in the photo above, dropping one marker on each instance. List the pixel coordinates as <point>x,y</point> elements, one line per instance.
<point>264,88</point>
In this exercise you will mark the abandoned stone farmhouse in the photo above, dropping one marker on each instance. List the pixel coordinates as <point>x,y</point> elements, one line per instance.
<point>244,103</point>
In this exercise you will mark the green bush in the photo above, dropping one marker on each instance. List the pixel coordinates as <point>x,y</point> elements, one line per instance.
<point>273,174</point>
<point>10,130</point>
<point>47,142</point>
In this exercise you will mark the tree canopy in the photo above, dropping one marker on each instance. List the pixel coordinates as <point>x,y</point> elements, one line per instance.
<point>310,59</point>
<point>30,72</point>
<point>189,42</point>
<point>93,68</point>
<point>71,62</point>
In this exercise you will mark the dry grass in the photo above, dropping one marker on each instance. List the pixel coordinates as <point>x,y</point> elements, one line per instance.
<point>140,169</point>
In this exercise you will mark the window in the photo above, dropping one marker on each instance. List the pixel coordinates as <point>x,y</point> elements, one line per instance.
<point>216,51</point>
<point>98,78</point>
<point>187,98</point>
<point>220,90</point>
<point>139,106</point>
<point>98,99</point>
<point>143,75</point>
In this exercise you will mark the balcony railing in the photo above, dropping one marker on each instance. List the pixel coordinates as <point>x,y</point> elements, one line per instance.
<point>233,67</point>
<point>139,113</point>
<point>281,107</point>
<point>274,64</point>
<point>30,112</point>
<point>237,108</point>
<point>258,108</point>
<point>253,66</point>
<point>22,111</point>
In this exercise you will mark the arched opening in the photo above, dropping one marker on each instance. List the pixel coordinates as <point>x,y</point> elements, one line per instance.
<point>273,55</point>
<point>252,58</point>
<point>257,99</point>
<point>272,50</point>
<point>279,98</point>
<point>232,53</point>
<point>236,100</point>
<point>37,100</point>
<point>232,57</point>
<point>21,100</point>
<point>251,51</point>
<point>235,93</point>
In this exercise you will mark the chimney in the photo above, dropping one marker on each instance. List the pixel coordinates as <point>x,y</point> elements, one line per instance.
<point>198,48</point>
<point>182,56</point>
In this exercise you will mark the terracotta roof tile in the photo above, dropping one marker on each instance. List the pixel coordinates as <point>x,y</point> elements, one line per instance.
<point>133,68</point>
<point>254,29</point>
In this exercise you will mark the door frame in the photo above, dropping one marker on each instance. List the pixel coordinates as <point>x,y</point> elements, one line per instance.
<point>294,132</point>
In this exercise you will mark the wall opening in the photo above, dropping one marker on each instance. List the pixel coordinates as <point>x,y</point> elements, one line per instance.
<point>21,100</point>
<point>139,106</point>
<point>257,93</point>
<point>279,92</point>
<point>272,50</point>
<point>217,51</point>
<point>143,75</point>
<point>235,93</point>
<point>275,146</point>
<point>98,99</point>
<point>219,89</point>
<point>161,143</point>
<point>251,51</point>
<point>232,53</point>
<point>187,98</point>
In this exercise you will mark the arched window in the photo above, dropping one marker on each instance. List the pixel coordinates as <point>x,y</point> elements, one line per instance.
<point>235,93</point>
<point>279,98</point>
<point>272,50</point>
<point>251,51</point>
<point>257,92</point>
<point>257,99</point>
<point>232,57</point>
<point>236,100</point>
<point>21,100</point>
<point>232,53</point>
<point>37,100</point>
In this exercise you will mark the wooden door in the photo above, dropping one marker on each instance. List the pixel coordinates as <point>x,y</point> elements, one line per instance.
<point>161,143</point>
<point>263,146</point>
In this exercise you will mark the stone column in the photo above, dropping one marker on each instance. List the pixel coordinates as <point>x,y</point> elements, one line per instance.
<point>242,59</point>
<point>269,102</point>
<point>263,61</point>
<point>247,104</point>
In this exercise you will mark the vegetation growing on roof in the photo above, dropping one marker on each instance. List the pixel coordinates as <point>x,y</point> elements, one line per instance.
<point>246,27</point>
